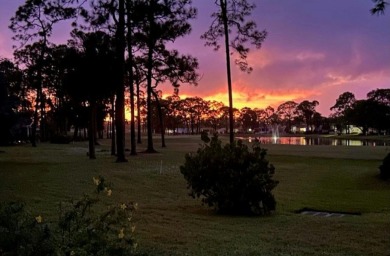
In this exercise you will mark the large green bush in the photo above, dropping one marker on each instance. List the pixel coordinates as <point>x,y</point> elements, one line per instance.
<point>231,178</point>
<point>384,168</point>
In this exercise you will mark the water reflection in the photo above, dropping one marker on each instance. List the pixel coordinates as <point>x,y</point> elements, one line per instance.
<point>316,141</point>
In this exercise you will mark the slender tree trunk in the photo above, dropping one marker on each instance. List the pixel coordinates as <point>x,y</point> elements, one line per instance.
<point>39,94</point>
<point>199,126</point>
<point>133,150</point>
<point>120,126</point>
<point>92,130</point>
<point>75,132</point>
<point>192,125</point>
<point>95,128</point>
<point>160,115</point>
<point>120,100</point>
<point>108,130</point>
<point>38,103</point>
<point>138,115</point>
<point>42,125</point>
<point>229,78</point>
<point>113,132</point>
<point>150,148</point>
<point>113,136</point>
<point>35,121</point>
<point>173,122</point>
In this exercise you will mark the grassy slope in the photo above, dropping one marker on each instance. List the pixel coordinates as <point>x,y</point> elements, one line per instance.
<point>170,222</point>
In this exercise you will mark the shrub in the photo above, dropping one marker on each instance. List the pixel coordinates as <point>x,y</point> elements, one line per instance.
<point>231,178</point>
<point>384,168</point>
<point>86,231</point>
<point>21,233</point>
<point>84,228</point>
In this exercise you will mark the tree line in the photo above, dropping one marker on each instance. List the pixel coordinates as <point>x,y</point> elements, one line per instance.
<point>192,115</point>
<point>370,114</point>
<point>119,46</point>
<point>116,45</point>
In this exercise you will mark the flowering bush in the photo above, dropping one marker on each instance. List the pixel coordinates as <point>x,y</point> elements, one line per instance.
<point>21,233</point>
<point>84,231</point>
<point>231,178</point>
<point>83,228</point>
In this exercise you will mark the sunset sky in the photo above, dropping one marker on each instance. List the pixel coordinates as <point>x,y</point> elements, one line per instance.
<point>315,50</point>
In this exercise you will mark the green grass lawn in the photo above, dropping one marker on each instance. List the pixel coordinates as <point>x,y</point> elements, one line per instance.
<point>169,222</point>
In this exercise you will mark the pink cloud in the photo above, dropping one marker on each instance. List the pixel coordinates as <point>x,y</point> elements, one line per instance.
<point>315,50</point>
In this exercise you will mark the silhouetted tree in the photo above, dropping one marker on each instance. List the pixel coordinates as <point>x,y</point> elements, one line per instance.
<point>93,75</point>
<point>8,108</point>
<point>36,69</point>
<point>380,6</point>
<point>318,121</point>
<point>15,108</point>
<point>59,113</point>
<point>306,110</point>
<point>160,106</point>
<point>34,20</point>
<point>164,21</point>
<point>368,114</point>
<point>343,104</point>
<point>248,119</point>
<point>287,111</point>
<point>120,45</point>
<point>130,63</point>
<point>230,18</point>
<point>265,116</point>
<point>380,95</point>
<point>173,118</point>
<point>110,16</point>
<point>139,79</point>
<point>214,116</point>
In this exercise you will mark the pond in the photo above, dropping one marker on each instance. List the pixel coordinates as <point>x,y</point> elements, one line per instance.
<point>316,141</point>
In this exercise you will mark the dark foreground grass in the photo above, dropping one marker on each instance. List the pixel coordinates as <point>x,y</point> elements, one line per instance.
<point>171,223</point>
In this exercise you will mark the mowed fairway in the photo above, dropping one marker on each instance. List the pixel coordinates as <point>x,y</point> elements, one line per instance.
<point>169,222</point>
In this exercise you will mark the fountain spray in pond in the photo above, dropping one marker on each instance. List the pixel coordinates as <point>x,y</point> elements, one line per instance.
<point>275,132</point>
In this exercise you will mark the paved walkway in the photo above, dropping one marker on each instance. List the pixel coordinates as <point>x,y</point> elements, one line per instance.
<point>323,214</point>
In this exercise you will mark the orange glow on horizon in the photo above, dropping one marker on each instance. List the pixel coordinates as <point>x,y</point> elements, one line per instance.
<point>254,100</point>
